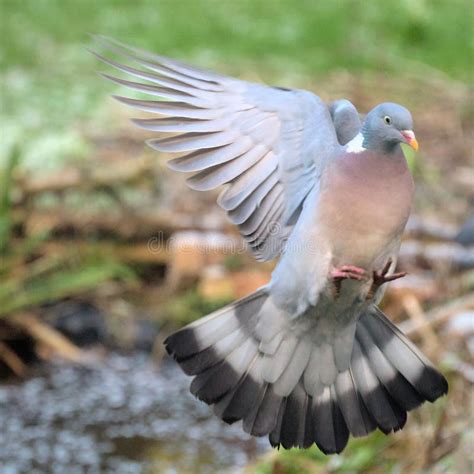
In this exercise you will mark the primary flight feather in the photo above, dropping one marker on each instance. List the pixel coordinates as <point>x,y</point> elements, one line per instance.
<point>308,358</point>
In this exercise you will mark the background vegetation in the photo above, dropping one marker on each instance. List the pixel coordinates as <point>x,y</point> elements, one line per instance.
<point>48,81</point>
<point>80,196</point>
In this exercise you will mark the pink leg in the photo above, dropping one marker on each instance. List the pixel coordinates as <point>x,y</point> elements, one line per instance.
<point>346,272</point>
<point>379,278</point>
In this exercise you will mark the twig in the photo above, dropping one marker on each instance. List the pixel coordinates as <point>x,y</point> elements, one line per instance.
<point>12,360</point>
<point>122,171</point>
<point>48,336</point>
<point>157,253</point>
<point>439,315</point>
<point>139,224</point>
<point>418,318</point>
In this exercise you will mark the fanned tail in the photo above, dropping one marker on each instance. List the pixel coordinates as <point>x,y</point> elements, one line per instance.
<point>250,366</point>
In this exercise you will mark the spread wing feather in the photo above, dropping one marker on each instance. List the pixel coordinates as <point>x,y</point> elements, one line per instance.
<point>266,145</point>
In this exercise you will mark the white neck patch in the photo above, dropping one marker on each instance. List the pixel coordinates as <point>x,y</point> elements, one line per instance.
<point>355,145</point>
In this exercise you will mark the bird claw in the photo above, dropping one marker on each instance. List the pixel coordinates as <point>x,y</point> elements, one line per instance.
<point>379,278</point>
<point>346,272</point>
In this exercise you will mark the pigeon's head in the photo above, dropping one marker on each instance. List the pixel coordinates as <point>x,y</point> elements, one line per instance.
<point>386,126</point>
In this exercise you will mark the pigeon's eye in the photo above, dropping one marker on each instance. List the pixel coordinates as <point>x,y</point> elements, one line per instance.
<point>387,120</point>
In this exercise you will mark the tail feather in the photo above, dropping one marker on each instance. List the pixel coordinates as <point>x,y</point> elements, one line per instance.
<point>267,414</point>
<point>207,331</point>
<point>311,378</point>
<point>340,429</point>
<point>405,357</point>
<point>303,388</point>
<point>193,339</point>
<point>383,409</point>
<point>358,420</point>
<point>293,423</point>
<point>243,397</point>
<point>275,435</point>
<point>328,370</point>
<point>221,406</point>
<point>275,365</point>
<point>393,381</point>
<point>329,427</point>
<point>210,356</point>
<point>308,438</point>
<point>211,385</point>
<point>249,419</point>
<point>295,368</point>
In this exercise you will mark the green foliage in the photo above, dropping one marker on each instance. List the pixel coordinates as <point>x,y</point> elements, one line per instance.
<point>6,184</point>
<point>59,285</point>
<point>30,277</point>
<point>49,84</point>
<point>360,456</point>
<point>234,262</point>
<point>30,280</point>
<point>44,34</point>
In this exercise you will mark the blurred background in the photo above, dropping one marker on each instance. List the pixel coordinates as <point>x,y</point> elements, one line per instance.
<point>90,285</point>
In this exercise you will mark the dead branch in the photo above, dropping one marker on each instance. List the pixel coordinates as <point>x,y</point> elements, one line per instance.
<point>47,336</point>
<point>418,317</point>
<point>9,358</point>
<point>120,172</point>
<point>439,315</point>
<point>137,225</point>
<point>128,253</point>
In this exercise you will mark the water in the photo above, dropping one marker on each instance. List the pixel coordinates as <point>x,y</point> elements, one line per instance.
<point>124,416</point>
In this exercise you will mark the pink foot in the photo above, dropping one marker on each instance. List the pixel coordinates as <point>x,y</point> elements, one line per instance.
<point>379,278</point>
<point>346,272</point>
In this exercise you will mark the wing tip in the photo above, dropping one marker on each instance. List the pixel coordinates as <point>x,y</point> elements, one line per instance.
<point>154,144</point>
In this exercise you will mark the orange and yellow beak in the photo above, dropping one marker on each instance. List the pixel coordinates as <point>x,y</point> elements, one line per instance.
<point>410,138</point>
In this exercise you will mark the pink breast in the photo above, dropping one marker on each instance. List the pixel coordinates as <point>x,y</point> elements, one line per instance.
<point>365,202</point>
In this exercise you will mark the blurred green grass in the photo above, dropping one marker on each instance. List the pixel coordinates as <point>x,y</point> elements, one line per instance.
<point>318,35</point>
<point>48,81</point>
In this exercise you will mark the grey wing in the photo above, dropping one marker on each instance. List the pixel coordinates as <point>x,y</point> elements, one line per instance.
<point>347,120</point>
<point>267,146</point>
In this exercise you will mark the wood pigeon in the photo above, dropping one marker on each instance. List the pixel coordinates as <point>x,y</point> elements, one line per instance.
<point>309,357</point>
